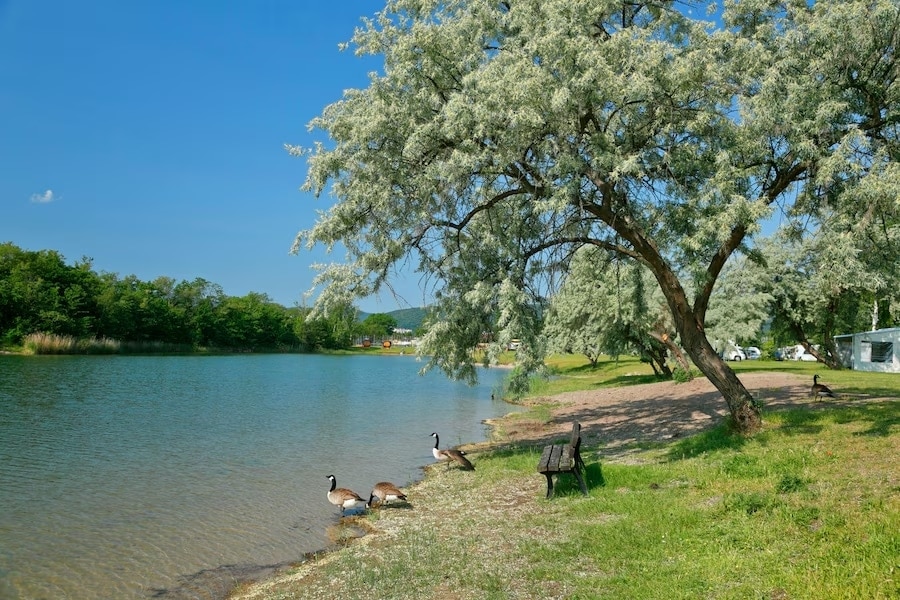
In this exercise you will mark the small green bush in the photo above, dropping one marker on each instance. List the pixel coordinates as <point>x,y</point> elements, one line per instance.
<point>682,376</point>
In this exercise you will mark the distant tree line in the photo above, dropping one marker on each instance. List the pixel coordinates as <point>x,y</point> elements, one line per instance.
<point>40,293</point>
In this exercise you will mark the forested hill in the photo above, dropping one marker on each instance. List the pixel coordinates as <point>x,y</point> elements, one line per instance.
<point>407,318</point>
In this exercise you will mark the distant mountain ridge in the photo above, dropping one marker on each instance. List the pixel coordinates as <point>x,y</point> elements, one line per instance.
<point>407,318</point>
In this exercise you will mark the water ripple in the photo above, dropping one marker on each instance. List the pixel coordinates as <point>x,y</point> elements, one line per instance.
<point>171,477</point>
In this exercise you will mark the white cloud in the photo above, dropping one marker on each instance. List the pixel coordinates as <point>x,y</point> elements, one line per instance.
<point>44,198</point>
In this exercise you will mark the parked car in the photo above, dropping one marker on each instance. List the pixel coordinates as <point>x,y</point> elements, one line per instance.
<point>752,353</point>
<point>734,353</point>
<point>800,353</point>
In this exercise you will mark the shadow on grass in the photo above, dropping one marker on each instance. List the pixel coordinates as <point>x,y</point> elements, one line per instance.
<point>586,368</point>
<point>867,391</point>
<point>601,368</point>
<point>565,484</point>
<point>720,437</point>
<point>765,366</point>
<point>593,475</point>
<point>882,419</point>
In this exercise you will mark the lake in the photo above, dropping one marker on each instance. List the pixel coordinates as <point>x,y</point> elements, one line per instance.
<point>167,476</point>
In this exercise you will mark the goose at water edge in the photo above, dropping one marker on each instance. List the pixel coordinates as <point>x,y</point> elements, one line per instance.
<point>386,492</point>
<point>344,498</point>
<point>448,455</point>
<point>820,389</point>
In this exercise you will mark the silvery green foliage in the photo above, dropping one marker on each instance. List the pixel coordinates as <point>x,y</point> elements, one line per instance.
<point>586,306</point>
<point>599,300</point>
<point>502,136</point>
<point>829,284</point>
<point>740,304</point>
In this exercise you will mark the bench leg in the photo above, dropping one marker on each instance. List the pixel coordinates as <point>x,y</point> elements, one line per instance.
<point>580,463</point>
<point>549,485</point>
<point>581,483</point>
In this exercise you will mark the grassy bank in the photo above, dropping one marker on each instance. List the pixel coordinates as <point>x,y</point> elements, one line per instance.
<point>808,508</point>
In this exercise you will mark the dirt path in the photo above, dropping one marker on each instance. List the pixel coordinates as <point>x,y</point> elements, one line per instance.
<point>619,417</point>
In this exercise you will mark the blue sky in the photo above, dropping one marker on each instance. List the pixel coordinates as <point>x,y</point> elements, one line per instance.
<point>150,136</point>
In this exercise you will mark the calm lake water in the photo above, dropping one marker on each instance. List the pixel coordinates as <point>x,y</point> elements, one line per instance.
<point>137,477</point>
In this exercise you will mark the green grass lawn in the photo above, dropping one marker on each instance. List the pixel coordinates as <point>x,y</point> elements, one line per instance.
<point>572,372</point>
<point>808,508</point>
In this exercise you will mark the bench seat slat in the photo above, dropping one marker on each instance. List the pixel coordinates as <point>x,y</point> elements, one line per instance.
<point>555,454</point>
<point>563,458</point>
<point>544,465</point>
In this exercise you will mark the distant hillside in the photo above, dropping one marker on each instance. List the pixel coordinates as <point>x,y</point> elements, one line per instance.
<point>407,318</point>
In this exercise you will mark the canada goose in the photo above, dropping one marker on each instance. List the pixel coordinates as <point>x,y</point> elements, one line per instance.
<point>450,454</point>
<point>385,492</point>
<point>820,389</point>
<point>342,497</point>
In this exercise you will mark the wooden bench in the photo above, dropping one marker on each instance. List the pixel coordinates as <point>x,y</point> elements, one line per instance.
<point>563,458</point>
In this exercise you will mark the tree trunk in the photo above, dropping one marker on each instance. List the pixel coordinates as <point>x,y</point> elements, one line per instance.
<point>745,410</point>
<point>680,359</point>
<point>666,340</point>
<point>829,359</point>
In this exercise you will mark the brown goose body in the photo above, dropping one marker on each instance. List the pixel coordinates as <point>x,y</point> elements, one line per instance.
<point>450,455</point>
<point>386,492</point>
<point>820,389</point>
<point>344,498</point>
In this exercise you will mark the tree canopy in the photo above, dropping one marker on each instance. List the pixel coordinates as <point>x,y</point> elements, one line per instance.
<point>41,294</point>
<point>608,305</point>
<point>500,137</point>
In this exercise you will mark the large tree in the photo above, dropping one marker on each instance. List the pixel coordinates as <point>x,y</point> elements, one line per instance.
<point>501,136</point>
<point>40,292</point>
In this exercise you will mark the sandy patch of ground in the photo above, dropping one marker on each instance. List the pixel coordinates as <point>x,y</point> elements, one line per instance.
<point>617,418</point>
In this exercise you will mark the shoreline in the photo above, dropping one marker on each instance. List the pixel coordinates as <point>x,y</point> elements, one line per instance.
<point>610,417</point>
<point>358,528</point>
<point>253,588</point>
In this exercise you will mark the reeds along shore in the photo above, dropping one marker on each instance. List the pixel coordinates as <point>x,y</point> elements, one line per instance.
<point>49,343</point>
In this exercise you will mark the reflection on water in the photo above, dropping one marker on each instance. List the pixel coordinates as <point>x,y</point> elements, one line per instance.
<point>136,477</point>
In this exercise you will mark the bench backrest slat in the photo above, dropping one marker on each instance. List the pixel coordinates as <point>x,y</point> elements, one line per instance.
<point>574,447</point>
<point>576,434</point>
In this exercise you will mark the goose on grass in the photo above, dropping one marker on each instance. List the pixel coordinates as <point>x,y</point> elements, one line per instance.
<point>386,492</point>
<point>820,389</point>
<point>450,455</point>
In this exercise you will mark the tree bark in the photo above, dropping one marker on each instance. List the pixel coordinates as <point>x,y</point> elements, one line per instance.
<point>745,410</point>
<point>666,340</point>
<point>746,416</point>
